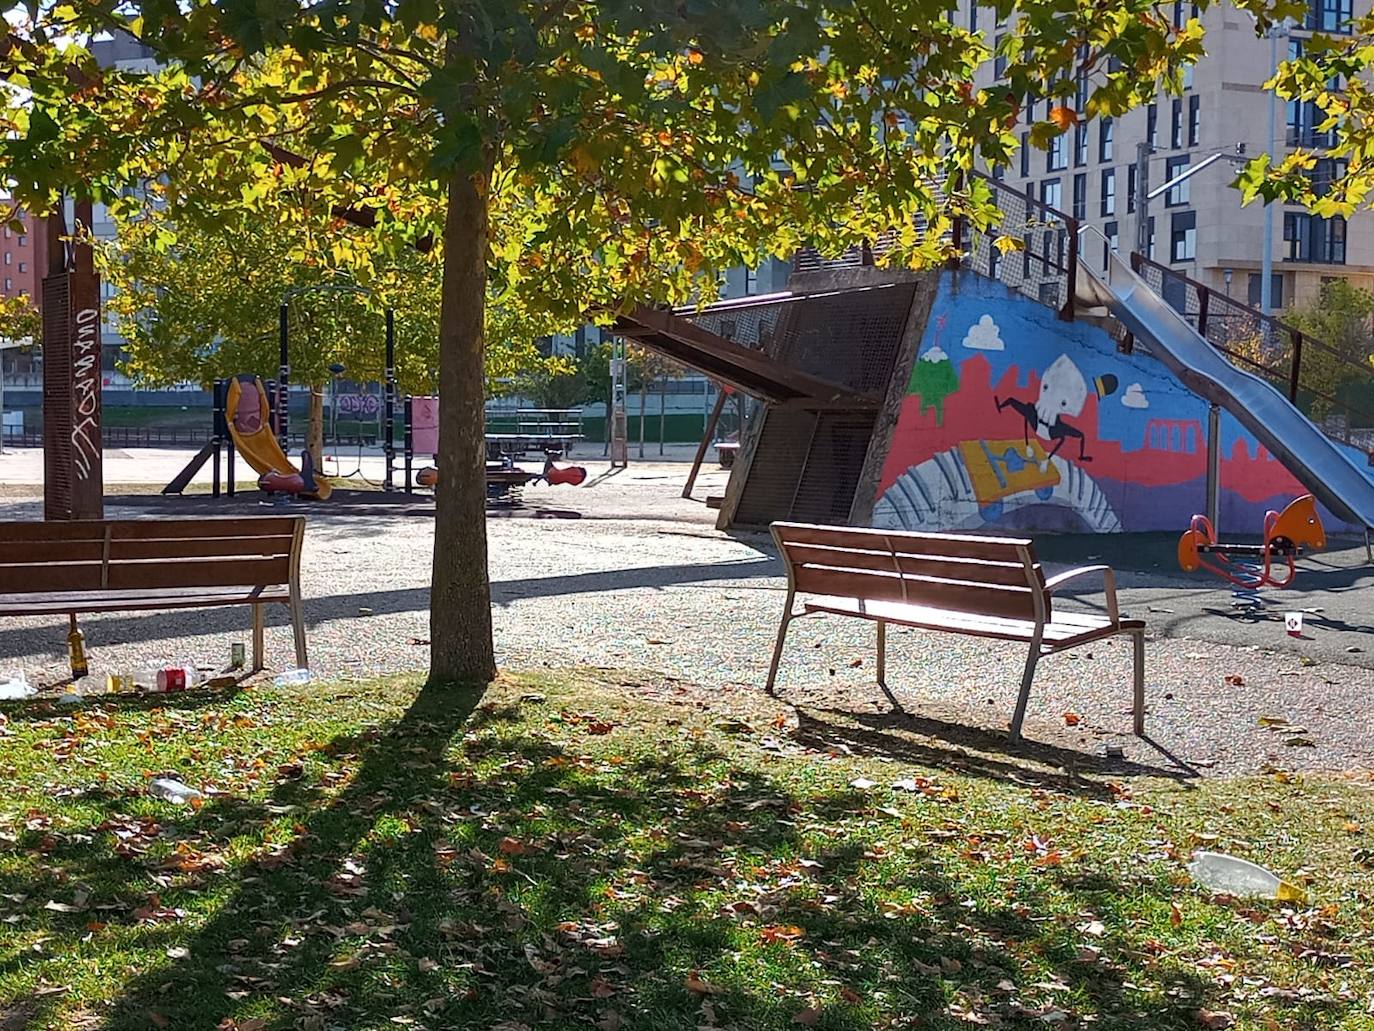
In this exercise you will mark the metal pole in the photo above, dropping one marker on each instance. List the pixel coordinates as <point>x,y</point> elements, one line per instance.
<point>283,376</point>
<point>389,403</point>
<point>1142,198</point>
<point>1213,464</point>
<point>1267,254</point>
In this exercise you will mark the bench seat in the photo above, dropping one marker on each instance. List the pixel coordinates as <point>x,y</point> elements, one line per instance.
<point>1065,630</point>
<point>60,603</point>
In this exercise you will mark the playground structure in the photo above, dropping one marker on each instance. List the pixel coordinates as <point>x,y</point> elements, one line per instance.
<point>1248,567</point>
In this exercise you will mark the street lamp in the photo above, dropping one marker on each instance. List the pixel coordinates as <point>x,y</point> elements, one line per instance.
<point>1226,275</point>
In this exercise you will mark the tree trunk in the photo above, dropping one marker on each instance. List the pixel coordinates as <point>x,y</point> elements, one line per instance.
<point>314,433</point>
<point>460,593</point>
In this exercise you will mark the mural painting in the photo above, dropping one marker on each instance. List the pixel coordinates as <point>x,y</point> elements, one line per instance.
<point>1015,420</point>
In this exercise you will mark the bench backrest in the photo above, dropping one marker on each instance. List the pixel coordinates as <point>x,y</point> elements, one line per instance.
<point>991,576</point>
<point>143,554</point>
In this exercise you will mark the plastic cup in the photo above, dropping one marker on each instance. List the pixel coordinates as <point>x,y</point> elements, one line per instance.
<point>1292,622</point>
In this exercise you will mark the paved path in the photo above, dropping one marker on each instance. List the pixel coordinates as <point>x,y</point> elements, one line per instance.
<point>623,573</point>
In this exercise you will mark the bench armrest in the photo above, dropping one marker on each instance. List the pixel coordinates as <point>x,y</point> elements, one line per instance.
<point>1108,585</point>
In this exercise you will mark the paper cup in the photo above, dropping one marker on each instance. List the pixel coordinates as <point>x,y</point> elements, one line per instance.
<point>1292,622</point>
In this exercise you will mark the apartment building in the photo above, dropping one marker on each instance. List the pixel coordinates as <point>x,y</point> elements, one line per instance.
<point>23,263</point>
<point>1200,227</point>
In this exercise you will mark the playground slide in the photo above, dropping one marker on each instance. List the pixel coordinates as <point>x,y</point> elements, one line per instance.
<point>245,410</point>
<point>1321,465</point>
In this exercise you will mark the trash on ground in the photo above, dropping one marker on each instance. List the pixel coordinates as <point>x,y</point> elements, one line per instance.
<point>173,790</point>
<point>1240,877</point>
<point>16,686</point>
<point>292,677</point>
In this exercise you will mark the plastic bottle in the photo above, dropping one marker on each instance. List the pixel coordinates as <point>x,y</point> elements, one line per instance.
<point>293,677</point>
<point>1240,877</point>
<point>76,649</point>
<point>173,790</point>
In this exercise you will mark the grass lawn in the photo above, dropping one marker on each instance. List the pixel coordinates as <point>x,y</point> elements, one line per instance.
<point>598,850</point>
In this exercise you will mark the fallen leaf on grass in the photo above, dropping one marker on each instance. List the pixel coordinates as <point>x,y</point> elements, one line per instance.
<point>787,933</point>
<point>862,783</point>
<point>1215,1020</point>
<point>1175,915</point>
<point>696,983</point>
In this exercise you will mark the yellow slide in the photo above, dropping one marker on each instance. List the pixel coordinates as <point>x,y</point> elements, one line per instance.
<point>245,410</point>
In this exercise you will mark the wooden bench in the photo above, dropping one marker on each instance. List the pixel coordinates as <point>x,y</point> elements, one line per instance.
<point>124,565</point>
<point>980,586</point>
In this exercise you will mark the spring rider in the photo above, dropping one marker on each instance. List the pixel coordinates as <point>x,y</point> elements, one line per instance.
<point>1248,567</point>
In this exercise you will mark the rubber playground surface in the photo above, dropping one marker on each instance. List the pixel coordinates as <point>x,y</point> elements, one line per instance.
<point>622,573</point>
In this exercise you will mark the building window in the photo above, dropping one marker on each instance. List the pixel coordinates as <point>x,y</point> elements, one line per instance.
<point>23,267</point>
<point>7,232</point>
<point>1326,173</point>
<point>1183,236</point>
<point>1152,125</point>
<point>23,241</point>
<point>1194,120</point>
<point>1025,154</point>
<point>973,17</point>
<point>1080,145</point>
<point>1112,237</point>
<point>1131,186</point>
<point>1080,196</point>
<point>9,285</point>
<point>1177,194</point>
<point>1314,239</point>
<point>751,281</point>
<point>9,258</point>
<point>1104,141</point>
<point>1188,68</point>
<point>1108,204</point>
<point>1051,194</point>
<point>1254,293</point>
<point>1176,124</point>
<point>999,63</point>
<point>1329,16</point>
<point>1057,157</point>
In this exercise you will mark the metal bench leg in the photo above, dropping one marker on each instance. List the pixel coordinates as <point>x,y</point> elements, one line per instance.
<point>1138,682</point>
<point>258,635</point>
<point>882,654</point>
<point>298,630</point>
<point>787,618</point>
<point>1020,714</point>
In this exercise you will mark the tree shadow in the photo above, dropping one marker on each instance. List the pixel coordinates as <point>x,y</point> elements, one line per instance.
<point>474,871</point>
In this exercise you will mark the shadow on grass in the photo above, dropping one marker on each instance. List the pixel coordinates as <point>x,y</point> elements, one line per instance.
<point>472,873</point>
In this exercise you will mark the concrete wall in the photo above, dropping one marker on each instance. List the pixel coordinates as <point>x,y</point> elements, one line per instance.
<point>1015,420</point>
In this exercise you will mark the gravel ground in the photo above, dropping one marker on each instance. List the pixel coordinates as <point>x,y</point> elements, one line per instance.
<point>622,573</point>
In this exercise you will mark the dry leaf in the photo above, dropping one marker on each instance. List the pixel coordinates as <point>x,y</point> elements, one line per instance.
<point>1175,915</point>
<point>1071,719</point>
<point>696,983</point>
<point>1064,117</point>
<point>1215,1020</point>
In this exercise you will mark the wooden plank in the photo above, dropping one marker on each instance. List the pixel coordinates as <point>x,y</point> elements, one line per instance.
<point>227,548</point>
<point>132,601</point>
<point>224,526</point>
<point>50,551</point>
<point>1006,573</point>
<point>26,578</point>
<point>946,545</point>
<point>977,598</point>
<point>67,530</point>
<point>242,572</point>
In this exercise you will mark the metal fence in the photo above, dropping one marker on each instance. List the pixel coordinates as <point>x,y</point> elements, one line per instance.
<point>1266,346</point>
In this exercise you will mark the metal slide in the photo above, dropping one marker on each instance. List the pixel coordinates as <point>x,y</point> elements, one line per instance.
<point>1318,462</point>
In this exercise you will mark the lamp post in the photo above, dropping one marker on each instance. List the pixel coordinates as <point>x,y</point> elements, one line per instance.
<point>1276,32</point>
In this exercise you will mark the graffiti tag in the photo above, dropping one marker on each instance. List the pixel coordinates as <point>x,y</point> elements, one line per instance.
<point>86,391</point>
<point>359,404</point>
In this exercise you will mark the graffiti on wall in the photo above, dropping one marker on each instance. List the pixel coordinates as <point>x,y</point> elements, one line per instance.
<point>1015,420</point>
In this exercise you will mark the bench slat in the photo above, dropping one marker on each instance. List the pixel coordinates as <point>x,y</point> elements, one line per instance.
<point>34,577</point>
<point>1007,573</point>
<point>944,545</point>
<point>242,572</point>
<point>62,602</point>
<point>227,548</point>
<point>28,552</point>
<point>1011,602</point>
